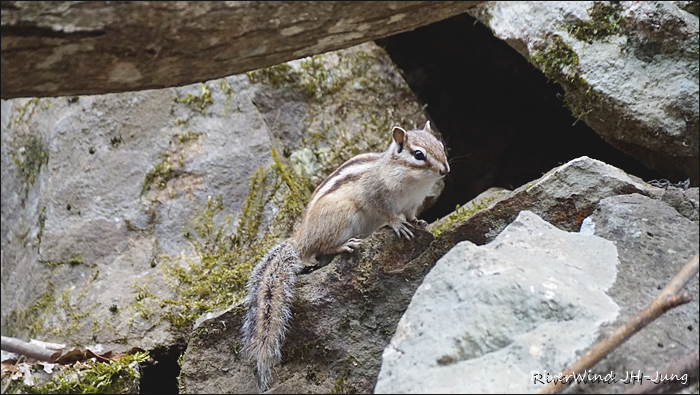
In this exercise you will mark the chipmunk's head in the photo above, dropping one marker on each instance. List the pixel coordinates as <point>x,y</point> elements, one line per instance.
<point>420,150</point>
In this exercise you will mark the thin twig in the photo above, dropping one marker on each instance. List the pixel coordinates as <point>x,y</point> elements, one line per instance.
<point>667,299</point>
<point>31,350</point>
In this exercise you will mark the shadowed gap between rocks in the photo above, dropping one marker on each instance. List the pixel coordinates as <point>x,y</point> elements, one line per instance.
<point>161,376</point>
<point>505,124</point>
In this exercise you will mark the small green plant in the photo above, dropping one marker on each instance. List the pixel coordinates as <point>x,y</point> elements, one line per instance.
<point>30,158</point>
<point>199,103</point>
<point>605,20</point>
<point>460,213</point>
<point>159,175</point>
<point>114,377</point>
<point>557,60</point>
<point>73,261</point>
<point>116,141</point>
<point>187,136</point>
<point>41,221</point>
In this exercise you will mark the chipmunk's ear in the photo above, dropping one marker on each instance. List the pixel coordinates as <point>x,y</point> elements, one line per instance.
<point>399,136</point>
<point>427,127</point>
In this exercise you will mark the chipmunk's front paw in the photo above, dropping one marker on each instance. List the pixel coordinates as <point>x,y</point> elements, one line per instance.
<point>402,229</point>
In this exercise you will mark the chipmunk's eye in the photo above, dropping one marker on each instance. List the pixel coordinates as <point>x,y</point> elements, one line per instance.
<point>418,154</point>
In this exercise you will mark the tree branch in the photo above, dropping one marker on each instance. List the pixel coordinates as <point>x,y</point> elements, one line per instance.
<point>30,350</point>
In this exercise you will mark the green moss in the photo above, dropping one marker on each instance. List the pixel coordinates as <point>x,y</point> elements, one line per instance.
<point>340,385</point>
<point>223,251</point>
<point>25,111</point>
<point>277,76</point>
<point>162,172</point>
<point>225,89</point>
<point>199,103</point>
<point>30,158</point>
<point>557,60</point>
<point>74,261</point>
<point>312,78</point>
<point>605,20</point>
<point>316,80</point>
<point>159,175</point>
<point>91,377</point>
<point>228,92</point>
<point>582,100</point>
<point>560,63</point>
<point>37,311</point>
<point>116,141</point>
<point>187,136</point>
<point>217,278</point>
<point>53,314</point>
<point>41,221</point>
<point>224,262</point>
<point>33,317</point>
<point>460,214</point>
<point>298,186</point>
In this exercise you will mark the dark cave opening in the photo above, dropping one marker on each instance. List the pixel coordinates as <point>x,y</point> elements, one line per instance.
<point>504,123</point>
<point>161,377</point>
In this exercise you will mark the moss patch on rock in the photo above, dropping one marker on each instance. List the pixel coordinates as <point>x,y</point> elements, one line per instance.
<point>560,63</point>
<point>30,158</point>
<point>120,376</point>
<point>460,213</point>
<point>55,313</point>
<point>215,276</point>
<point>159,175</point>
<point>557,61</point>
<point>199,102</point>
<point>25,111</point>
<point>605,20</point>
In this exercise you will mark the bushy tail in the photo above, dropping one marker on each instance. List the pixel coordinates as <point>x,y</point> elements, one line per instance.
<point>269,301</point>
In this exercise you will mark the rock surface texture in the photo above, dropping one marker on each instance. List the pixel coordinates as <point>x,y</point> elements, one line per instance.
<point>629,70</point>
<point>485,317</point>
<point>654,241</point>
<point>71,48</point>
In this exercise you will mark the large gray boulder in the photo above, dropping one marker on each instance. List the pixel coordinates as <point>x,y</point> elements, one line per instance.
<point>628,69</point>
<point>487,319</point>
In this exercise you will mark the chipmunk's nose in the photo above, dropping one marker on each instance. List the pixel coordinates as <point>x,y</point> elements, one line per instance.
<point>445,169</point>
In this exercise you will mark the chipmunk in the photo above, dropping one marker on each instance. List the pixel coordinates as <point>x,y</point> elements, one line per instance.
<point>363,194</point>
